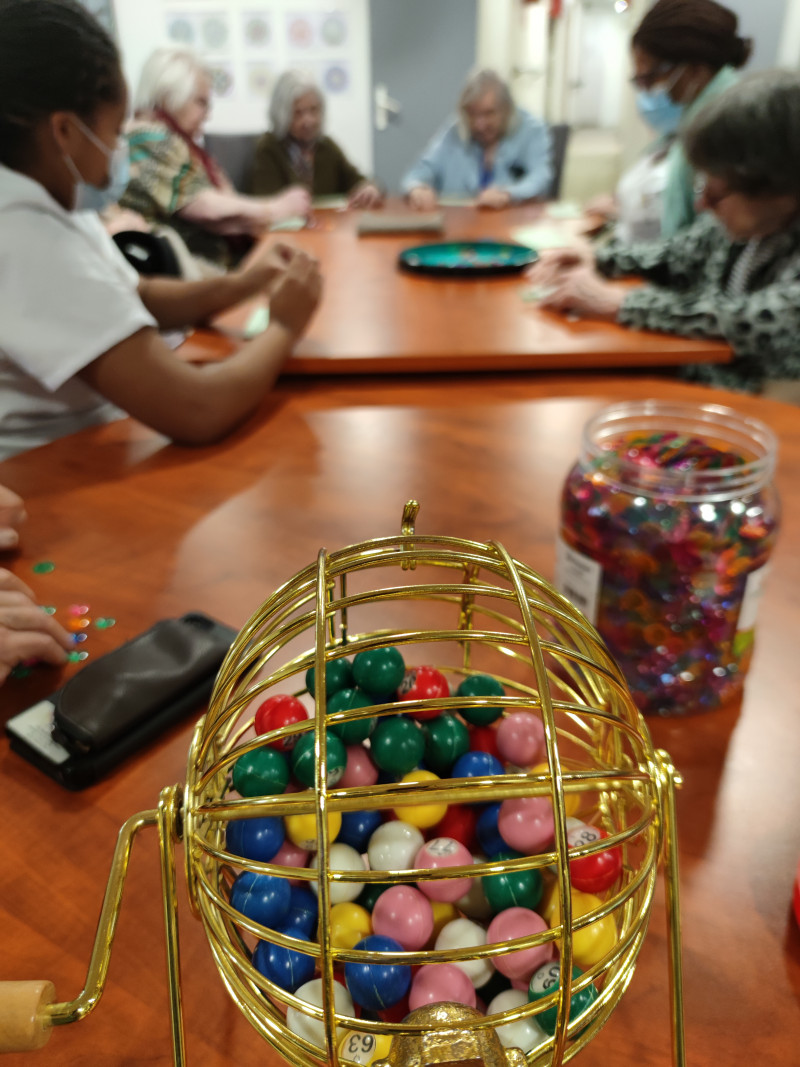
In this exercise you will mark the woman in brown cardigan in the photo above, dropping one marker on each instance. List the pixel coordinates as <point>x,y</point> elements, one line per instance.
<point>297,152</point>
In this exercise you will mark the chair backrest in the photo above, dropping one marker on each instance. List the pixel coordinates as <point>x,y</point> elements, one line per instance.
<point>559,138</point>
<point>234,153</point>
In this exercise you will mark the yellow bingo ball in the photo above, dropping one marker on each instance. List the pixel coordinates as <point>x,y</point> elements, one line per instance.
<point>443,913</point>
<point>572,801</point>
<point>349,923</point>
<point>592,942</point>
<point>421,815</point>
<point>302,829</point>
<point>364,1048</point>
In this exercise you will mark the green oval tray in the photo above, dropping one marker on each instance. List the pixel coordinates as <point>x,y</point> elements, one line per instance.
<point>467,258</point>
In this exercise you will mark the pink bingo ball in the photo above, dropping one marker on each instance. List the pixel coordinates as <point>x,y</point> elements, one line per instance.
<point>359,769</point>
<point>520,738</point>
<point>403,913</point>
<point>436,854</point>
<point>513,923</point>
<point>291,855</point>
<point>437,982</point>
<point>526,824</point>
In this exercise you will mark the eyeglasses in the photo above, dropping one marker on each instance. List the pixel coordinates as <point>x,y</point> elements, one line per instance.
<point>711,191</point>
<point>652,77</point>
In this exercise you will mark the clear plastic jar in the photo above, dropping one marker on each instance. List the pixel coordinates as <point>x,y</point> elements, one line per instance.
<point>668,520</point>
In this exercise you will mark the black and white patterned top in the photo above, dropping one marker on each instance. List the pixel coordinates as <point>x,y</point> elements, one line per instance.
<point>691,294</point>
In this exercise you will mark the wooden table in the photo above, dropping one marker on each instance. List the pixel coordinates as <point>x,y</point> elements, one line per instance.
<point>376,318</point>
<point>139,530</point>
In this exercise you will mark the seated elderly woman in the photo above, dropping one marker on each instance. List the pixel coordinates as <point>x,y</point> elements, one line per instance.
<point>496,152</point>
<point>174,182</point>
<point>297,152</point>
<point>735,272</point>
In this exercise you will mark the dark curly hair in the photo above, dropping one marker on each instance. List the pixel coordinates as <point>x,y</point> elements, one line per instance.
<point>54,56</point>
<point>693,31</point>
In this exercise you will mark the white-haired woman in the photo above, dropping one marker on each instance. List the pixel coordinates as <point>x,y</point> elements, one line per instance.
<point>296,151</point>
<point>175,182</point>
<point>496,152</point>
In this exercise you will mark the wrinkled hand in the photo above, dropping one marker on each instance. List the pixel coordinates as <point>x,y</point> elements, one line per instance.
<point>583,292</point>
<point>603,205</point>
<point>27,632</point>
<point>365,195</point>
<point>296,294</point>
<point>494,198</point>
<point>12,515</point>
<point>422,198</point>
<point>296,200</point>
<point>555,262</point>
<point>268,265</point>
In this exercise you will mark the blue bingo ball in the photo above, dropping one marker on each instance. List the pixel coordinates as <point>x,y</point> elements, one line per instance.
<point>261,897</point>
<point>358,827</point>
<point>286,967</point>
<point>375,986</point>
<point>476,764</point>
<point>489,837</point>
<point>255,839</point>
<point>303,912</point>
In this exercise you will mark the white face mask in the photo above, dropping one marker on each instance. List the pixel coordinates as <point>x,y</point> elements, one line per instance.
<point>92,197</point>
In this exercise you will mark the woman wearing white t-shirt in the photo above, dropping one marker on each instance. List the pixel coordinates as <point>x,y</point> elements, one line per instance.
<point>78,327</point>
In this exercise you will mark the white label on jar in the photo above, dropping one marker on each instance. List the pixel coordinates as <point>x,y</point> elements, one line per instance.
<point>753,590</point>
<point>578,578</point>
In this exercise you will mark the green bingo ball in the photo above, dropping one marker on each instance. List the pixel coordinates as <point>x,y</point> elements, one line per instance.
<point>446,738</point>
<point>546,980</point>
<point>354,731</point>
<point>397,745</point>
<point>481,685</point>
<point>379,670</point>
<point>370,893</point>
<point>513,889</point>
<point>261,773</point>
<point>338,676</point>
<point>303,759</point>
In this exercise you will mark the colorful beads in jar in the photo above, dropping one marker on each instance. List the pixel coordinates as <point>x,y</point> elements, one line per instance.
<point>667,524</point>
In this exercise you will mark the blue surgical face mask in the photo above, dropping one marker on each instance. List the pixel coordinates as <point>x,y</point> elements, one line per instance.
<point>657,107</point>
<point>90,197</point>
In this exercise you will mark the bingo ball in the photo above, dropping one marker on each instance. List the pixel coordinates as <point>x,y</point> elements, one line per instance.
<point>341,858</point>
<point>397,745</point>
<point>276,712</point>
<point>435,983</point>
<point>303,759</point>
<point>359,769</point>
<point>524,1033</point>
<point>463,933</point>
<point>422,815</point>
<point>309,1028</point>
<point>599,871</point>
<point>303,912</point>
<point>349,924</point>
<point>405,914</point>
<point>379,671</point>
<point>489,836</point>
<point>364,1049</point>
<point>484,739</point>
<point>354,730</point>
<point>481,685</point>
<point>394,846</point>
<point>526,824</point>
<point>439,854</point>
<point>476,764</point>
<point>376,986</point>
<point>423,683</point>
<point>338,675</point>
<point>302,829</point>
<point>371,892</point>
<point>593,942</point>
<point>546,980</point>
<point>286,967</point>
<point>446,738</point>
<point>520,888</point>
<point>261,897</point>
<point>261,773</point>
<point>255,839</point>
<point>358,827</point>
<point>459,822</point>
<point>520,738</point>
<point>509,925</point>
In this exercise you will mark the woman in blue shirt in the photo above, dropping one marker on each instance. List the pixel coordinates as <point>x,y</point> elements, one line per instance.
<point>496,152</point>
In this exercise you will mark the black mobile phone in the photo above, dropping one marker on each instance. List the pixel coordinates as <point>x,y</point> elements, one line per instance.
<point>122,700</point>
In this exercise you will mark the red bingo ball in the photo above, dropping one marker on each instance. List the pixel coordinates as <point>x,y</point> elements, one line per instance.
<point>484,739</point>
<point>595,873</point>
<point>276,712</point>
<point>459,823</point>
<point>423,683</point>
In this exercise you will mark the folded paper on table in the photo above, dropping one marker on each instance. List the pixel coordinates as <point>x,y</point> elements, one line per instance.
<point>257,322</point>
<point>543,236</point>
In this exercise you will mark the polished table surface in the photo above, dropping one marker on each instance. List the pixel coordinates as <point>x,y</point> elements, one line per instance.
<point>138,529</point>
<point>376,318</point>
